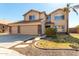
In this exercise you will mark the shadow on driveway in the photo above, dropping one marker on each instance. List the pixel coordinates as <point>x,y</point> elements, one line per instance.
<point>13,38</point>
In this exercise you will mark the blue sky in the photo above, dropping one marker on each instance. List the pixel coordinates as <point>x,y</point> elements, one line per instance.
<point>14,11</point>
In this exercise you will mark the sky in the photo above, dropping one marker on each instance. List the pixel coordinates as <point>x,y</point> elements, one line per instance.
<point>14,11</point>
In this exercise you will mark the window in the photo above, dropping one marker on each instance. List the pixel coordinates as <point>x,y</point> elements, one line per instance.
<point>55,26</point>
<point>47,26</point>
<point>3,26</point>
<point>49,18</point>
<point>59,17</point>
<point>31,18</point>
<point>63,28</point>
<point>56,22</point>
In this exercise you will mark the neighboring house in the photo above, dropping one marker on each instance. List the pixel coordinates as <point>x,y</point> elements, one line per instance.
<point>35,22</point>
<point>72,30</point>
<point>3,28</point>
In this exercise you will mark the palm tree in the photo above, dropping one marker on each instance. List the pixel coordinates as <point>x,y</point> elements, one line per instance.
<point>67,10</point>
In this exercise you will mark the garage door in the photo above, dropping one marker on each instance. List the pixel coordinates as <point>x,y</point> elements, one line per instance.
<point>14,30</point>
<point>31,30</point>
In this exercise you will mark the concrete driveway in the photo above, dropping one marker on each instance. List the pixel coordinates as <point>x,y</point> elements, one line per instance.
<point>8,41</point>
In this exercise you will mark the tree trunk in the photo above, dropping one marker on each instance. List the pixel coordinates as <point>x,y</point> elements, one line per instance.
<point>67,16</point>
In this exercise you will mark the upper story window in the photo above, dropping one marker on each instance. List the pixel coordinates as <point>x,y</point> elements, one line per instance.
<point>62,27</point>
<point>47,26</point>
<point>48,18</point>
<point>31,18</point>
<point>55,26</point>
<point>61,17</point>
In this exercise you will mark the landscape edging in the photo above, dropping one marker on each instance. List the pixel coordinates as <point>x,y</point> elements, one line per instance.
<point>35,44</point>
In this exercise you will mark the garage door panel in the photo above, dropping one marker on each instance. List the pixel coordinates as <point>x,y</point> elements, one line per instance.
<point>32,30</point>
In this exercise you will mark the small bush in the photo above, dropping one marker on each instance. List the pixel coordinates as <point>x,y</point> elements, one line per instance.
<point>50,32</point>
<point>75,46</point>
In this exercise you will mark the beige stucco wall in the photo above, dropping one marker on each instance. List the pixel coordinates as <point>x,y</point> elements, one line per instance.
<point>42,15</point>
<point>31,30</point>
<point>43,21</point>
<point>59,22</point>
<point>37,15</point>
<point>14,30</point>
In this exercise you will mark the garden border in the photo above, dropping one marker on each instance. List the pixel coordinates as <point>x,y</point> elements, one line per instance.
<point>35,44</point>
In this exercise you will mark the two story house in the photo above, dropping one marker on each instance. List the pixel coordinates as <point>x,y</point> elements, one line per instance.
<point>35,22</point>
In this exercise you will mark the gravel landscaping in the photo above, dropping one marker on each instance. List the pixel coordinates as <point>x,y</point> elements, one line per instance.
<point>33,51</point>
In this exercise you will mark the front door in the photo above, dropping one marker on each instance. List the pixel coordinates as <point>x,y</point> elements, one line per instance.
<point>39,29</point>
<point>18,29</point>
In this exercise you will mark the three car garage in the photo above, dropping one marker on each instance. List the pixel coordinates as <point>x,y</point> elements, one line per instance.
<point>25,29</point>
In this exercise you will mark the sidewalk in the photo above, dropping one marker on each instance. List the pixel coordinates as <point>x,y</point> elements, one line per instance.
<point>9,52</point>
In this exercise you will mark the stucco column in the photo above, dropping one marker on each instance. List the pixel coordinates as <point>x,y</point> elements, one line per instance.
<point>43,25</point>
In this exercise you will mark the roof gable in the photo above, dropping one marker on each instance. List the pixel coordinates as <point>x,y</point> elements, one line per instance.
<point>31,11</point>
<point>25,22</point>
<point>55,11</point>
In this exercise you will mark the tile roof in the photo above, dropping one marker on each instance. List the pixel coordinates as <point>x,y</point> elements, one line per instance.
<point>55,11</point>
<point>23,22</point>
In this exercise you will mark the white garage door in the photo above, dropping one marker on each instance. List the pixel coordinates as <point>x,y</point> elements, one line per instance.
<point>31,30</point>
<point>14,30</point>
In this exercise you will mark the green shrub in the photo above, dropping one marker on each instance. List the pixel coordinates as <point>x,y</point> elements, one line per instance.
<point>75,46</point>
<point>50,32</point>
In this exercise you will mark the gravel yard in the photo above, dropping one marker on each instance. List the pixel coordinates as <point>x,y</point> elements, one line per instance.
<point>32,51</point>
